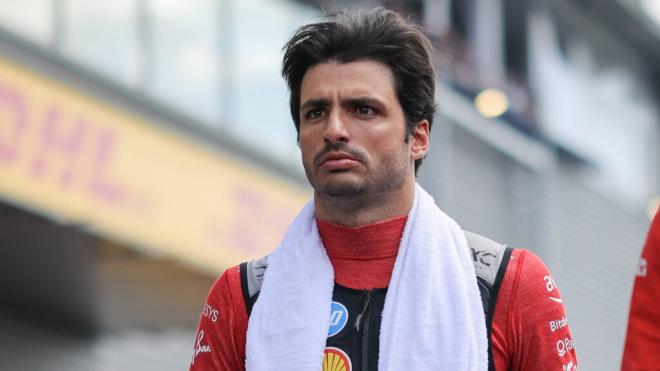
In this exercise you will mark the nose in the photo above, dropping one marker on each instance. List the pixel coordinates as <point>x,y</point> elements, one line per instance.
<point>336,128</point>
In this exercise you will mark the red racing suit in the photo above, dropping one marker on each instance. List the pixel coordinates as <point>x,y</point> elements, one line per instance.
<point>529,329</point>
<point>642,348</point>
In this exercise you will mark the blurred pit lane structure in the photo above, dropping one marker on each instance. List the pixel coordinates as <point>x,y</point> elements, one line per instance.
<point>146,146</point>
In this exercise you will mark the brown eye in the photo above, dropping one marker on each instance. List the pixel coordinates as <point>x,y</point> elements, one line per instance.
<point>365,111</point>
<point>314,114</point>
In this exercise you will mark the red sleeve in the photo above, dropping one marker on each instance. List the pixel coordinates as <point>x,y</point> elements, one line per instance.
<point>642,349</point>
<point>530,330</point>
<point>220,339</point>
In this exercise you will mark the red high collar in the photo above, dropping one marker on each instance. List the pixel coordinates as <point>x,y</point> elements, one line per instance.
<point>363,257</point>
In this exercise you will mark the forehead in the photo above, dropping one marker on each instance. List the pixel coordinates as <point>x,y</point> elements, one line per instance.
<point>343,80</point>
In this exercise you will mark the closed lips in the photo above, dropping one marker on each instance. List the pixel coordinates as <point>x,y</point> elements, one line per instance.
<point>338,156</point>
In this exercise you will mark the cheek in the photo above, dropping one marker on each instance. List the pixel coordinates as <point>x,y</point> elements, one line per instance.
<point>306,150</point>
<point>389,145</point>
<point>388,136</point>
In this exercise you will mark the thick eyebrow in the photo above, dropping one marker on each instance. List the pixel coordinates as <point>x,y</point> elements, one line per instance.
<point>350,102</point>
<point>364,101</point>
<point>315,103</point>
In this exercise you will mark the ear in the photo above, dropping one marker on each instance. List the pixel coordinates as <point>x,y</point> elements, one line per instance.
<point>420,140</point>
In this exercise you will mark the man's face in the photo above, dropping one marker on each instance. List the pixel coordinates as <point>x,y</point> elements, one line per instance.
<point>352,130</point>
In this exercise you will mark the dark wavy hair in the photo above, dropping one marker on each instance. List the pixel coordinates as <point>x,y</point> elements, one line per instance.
<point>378,35</point>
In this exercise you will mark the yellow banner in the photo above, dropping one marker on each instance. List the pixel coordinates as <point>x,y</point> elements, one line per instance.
<point>80,160</point>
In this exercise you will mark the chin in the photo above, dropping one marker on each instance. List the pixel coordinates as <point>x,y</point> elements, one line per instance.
<point>344,188</point>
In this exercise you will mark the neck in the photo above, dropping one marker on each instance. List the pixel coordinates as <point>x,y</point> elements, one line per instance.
<point>365,209</point>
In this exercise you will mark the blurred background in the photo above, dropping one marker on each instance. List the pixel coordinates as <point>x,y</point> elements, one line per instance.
<point>146,146</point>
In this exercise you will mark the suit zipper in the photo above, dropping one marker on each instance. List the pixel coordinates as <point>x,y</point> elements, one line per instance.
<point>362,323</point>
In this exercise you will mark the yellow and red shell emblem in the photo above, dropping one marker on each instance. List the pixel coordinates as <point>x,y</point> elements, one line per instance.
<point>336,360</point>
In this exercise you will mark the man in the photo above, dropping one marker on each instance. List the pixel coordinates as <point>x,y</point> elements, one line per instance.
<point>371,274</point>
<point>642,348</point>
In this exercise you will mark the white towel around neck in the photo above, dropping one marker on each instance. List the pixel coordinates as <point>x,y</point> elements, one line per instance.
<point>433,318</point>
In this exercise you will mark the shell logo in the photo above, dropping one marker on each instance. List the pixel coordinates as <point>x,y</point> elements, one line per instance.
<point>336,360</point>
